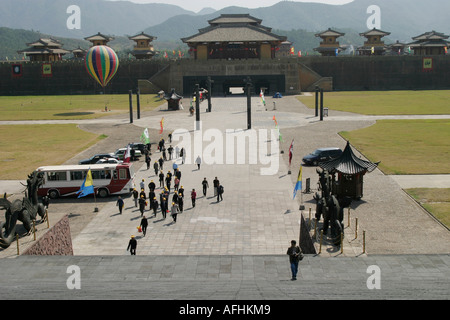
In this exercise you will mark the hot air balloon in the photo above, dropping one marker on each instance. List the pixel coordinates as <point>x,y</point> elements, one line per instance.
<point>102,64</point>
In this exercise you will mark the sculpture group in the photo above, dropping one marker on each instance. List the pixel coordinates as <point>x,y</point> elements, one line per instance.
<point>330,207</point>
<point>24,210</point>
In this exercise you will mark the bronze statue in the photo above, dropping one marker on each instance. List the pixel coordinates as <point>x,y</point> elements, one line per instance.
<point>24,210</point>
<point>328,206</point>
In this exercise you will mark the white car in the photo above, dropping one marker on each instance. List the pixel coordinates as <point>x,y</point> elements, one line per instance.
<point>109,160</point>
<point>120,153</point>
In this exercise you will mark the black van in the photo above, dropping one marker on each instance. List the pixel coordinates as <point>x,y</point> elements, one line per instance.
<point>321,155</point>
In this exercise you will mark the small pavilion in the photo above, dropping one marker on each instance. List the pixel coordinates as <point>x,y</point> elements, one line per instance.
<point>430,43</point>
<point>373,44</point>
<point>44,50</point>
<point>350,171</point>
<point>173,100</point>
<point>144,47</point>
<point>329,46</point>
<point>99,39</point>
<point>234,36</point>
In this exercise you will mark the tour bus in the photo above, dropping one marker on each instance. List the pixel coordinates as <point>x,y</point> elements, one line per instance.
<point>66,180</point>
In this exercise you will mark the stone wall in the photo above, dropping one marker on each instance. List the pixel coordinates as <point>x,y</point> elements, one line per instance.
<point>55,242</point>
<point>344,73</point>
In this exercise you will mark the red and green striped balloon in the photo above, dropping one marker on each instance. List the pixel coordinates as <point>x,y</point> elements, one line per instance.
<point>102,64</point>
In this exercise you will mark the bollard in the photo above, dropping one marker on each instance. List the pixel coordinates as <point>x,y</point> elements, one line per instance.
<point>342,242</point>
<point>364,241</point>
<point>348,224</point>
<point>17,241</point>
<point>315,228</point>
<point>356,228</point>
<point>309,218</point>
<point>46,215</point>
<point>321,237</point>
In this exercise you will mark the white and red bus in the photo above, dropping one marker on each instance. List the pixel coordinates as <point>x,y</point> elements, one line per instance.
<point>66,180</point>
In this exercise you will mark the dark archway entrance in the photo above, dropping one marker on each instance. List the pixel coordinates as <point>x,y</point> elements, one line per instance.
<point>222,84</point>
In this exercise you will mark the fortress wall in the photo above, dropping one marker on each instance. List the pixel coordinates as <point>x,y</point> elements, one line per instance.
<point>347,72</point>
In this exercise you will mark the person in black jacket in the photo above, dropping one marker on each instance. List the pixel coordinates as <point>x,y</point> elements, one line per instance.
<point>205,186</point>
<point>144,224</point>
<point>132,244</point>
<point>142,204</point>
<point>295,255</point>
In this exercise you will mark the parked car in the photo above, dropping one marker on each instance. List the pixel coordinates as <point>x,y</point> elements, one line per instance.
<point>120,153</point>
<point>109,160</point>
<point>138,146</point>
<point>322,155</point>
<point>97,157</point>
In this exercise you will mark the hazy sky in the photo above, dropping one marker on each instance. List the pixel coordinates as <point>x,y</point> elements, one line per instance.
<point>197,5</point>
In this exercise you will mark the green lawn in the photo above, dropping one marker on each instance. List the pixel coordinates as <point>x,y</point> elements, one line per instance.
<point>23,148</point>
<point>436,201</point>
<point>405,146</point>
<point>385,102</point>
<point>70,107</point>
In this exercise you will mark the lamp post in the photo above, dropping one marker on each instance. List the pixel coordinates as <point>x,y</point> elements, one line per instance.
<point>209,82</point>
<point>130,93</point>
<point>248,84</point>
<point>197,106</point>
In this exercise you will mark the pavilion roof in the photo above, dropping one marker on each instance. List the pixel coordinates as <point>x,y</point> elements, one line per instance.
<point>374,32</point>
<point>142,36</point>
<point>234,18</point>
<point>99,36</point>
<point>348,163</point>
<point>431,35</point>
<point>330,33</point>
<point>241,32</point>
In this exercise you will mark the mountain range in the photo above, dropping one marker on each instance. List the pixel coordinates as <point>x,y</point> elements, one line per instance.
<point>404,19</point>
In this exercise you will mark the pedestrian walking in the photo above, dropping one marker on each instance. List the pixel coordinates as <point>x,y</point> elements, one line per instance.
<point>142,184</point>
<point>216,184</point>
<point>151,186</point>
<point>120,204</point>
<point>132,244</point>
<point>181,192</point>
<point>164,153</point>
<point>193,197</point>
<point>178,173</point>
<point>295,255</point>
<point>135,197</point>
<point>144,225</point>
<point>148,161</point>
<point>142,194</point>
<point>164,207</point>
<point>205,186</point>
<point>183,155</point>
<point>156,167</point>
<point>174,211</point>
<point>161,179</point>
<point>219,192</point>
<point>180,203</point>
<point>170,151</point>
<point>155,206</point>
<point>168,181</point>
<point>142,204</point>
<point>161,163</point>
<point>176,183</point>
<point>198,162</point>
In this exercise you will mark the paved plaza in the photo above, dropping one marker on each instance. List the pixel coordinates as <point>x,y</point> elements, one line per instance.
<point>235,248</point>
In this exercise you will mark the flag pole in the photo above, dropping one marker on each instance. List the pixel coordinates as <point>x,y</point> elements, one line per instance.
<point>95,201</point>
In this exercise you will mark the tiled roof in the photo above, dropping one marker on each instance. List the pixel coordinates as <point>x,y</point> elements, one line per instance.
<point>348,163</point>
